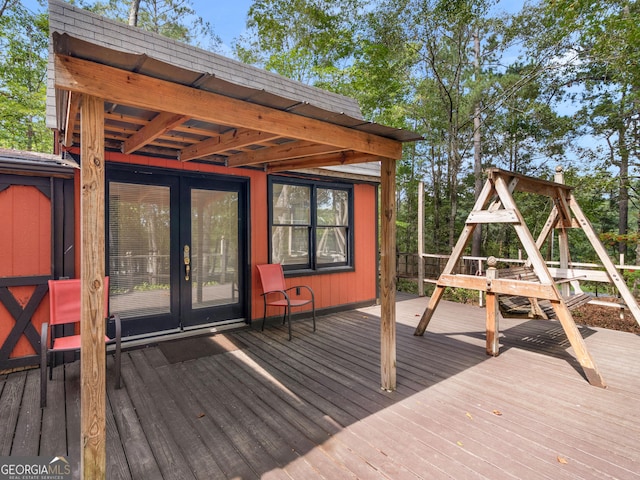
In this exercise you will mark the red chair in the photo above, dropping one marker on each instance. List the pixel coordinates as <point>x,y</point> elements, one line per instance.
<point>273,286</point>
<point>64,306</point>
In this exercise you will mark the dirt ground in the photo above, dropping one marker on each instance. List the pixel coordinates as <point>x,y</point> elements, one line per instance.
<point>605,317</point>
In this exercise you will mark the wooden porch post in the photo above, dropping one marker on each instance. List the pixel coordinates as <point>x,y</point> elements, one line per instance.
<point>388,275</point>
<point>92,269</point>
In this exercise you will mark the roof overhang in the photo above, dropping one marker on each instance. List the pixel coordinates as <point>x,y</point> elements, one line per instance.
<point>156,108</point>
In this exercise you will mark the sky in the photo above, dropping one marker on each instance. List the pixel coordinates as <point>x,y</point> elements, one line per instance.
<point>228,17</point>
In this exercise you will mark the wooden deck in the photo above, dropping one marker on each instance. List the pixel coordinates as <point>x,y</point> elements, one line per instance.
<point>262,407</point>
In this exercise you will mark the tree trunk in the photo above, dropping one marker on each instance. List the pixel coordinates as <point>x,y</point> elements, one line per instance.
<point>623,205</point>
<point>454,169</point>
<point>134,9</point>
<point>476,243</point>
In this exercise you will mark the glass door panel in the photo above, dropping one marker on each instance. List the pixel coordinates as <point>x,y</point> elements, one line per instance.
<point>214,248</point>
<point>177,249</point>
<point>139,249</point>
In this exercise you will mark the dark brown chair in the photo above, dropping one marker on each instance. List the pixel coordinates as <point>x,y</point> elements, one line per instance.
<point>64,306</point>
<point>276,293</point>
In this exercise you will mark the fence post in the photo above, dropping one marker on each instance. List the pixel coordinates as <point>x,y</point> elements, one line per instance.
<point>420,239</point>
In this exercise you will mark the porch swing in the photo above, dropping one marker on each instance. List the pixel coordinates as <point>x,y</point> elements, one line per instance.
<point>531,289</point>
<point>517,306</point>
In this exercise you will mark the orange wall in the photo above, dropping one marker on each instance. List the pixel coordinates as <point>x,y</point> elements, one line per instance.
<point>25,250</point>
<point>330,289</point>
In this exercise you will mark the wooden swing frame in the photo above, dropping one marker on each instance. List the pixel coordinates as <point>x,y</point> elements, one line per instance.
<point>566,213</point>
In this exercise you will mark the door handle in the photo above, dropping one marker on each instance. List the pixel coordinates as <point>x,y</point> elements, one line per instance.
<point>187,262</point>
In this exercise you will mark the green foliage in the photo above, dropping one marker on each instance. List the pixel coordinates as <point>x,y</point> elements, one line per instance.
<point>302,39</point>
<point>23,66</point>
<point>412,64</point>
<point>175,19</point>
<point>461,295</point>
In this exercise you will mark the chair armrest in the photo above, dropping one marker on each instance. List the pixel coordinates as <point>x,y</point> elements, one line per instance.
<point>272,292</point>
<point>115,317</point>
<point>308,288</point>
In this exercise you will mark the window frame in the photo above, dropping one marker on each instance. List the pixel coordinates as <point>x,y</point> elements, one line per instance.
<point>312,267</point>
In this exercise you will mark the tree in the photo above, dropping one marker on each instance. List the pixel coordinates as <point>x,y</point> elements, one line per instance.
<point>598,45</point>
<point>23,66</point>
<point>307,40</point>
<point>175,19</point>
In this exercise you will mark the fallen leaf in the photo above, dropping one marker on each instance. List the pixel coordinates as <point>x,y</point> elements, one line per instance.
<point>470,416</point>
<point>200,415</point>
<point>459,443</point>
<point>497,412</point>
<point>562,460</point>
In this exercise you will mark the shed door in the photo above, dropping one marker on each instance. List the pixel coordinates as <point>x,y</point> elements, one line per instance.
<point>176,245</point>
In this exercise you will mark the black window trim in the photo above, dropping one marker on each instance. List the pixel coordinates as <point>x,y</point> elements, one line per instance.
<point>312,268</point>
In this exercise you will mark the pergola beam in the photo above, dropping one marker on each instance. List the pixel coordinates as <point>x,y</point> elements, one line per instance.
<point>141,91</point>
<point>73,107</point>
<point>282,152</point>
<point>236,138</point>
<point>161,124</point>
<point>333,159</point>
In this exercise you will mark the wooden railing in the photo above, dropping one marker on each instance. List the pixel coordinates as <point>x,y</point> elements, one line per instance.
<point>408,267</point>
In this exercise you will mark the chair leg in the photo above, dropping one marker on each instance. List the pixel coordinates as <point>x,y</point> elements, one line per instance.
<point>313,306</point>
<point>43,366</point>
<point>118,351</point>
<point>288,312</point>
<point>264,316</point>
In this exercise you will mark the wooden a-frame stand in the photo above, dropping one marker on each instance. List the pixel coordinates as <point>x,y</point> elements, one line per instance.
<point>566,213</point>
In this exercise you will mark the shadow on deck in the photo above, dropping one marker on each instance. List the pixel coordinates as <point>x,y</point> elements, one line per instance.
<point>258,406</point>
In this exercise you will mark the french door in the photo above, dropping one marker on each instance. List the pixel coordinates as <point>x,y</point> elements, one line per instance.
<point>176,250</point>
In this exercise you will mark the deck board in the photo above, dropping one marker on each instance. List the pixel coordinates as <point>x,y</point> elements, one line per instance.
<point>312,408</point>
<point>10,409</point>
<point>26,438</point>
<point>54,425</point>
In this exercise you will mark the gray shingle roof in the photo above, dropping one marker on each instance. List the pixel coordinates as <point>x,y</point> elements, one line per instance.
<point>84,25</point>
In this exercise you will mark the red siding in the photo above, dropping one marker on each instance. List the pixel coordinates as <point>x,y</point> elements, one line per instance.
<point>338,288</point>
<point>25,242</point>
<point>331,289</point>
<point>25,250</point>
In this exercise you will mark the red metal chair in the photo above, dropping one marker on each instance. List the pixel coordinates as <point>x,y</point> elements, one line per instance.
<point>64,303</point>
<point>273,286</point>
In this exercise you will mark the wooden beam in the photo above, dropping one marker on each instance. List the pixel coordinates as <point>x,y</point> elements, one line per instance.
<point>92,240</point>
<point>333,159</point>
<point>577,342</point>
<point>524,234</point>
<point>582,273</point>
<point>234,139</point>
<point>497,216</point>
<point>609,266</point>
<point>286,151</point>
<point>549,225</point>
<point>492,313</point>
<point>388,275</point>
<point>73,107</point>
<point>138,90</point>
<point>161,124</point>
<point>504,286</point>
<point>486,193</point>
<point>529,184</point>
<point>563,207</point>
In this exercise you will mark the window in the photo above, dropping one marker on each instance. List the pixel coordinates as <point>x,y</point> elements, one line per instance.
<point>311,224</point>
